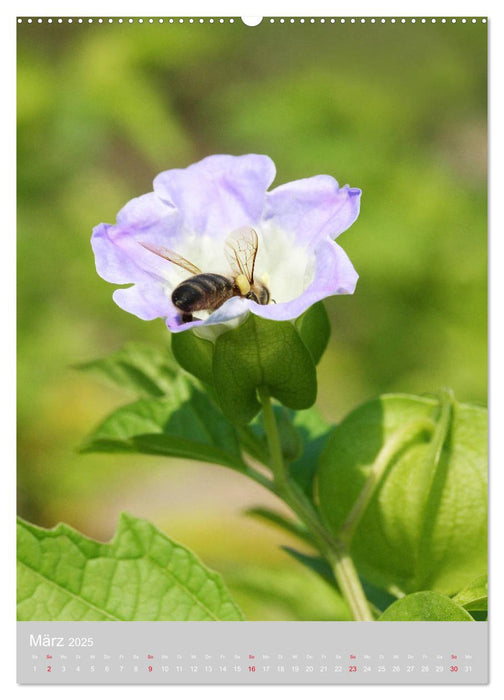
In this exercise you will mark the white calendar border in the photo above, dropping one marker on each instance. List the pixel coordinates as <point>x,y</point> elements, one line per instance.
<point>227,8</point>
<point>257,8</point>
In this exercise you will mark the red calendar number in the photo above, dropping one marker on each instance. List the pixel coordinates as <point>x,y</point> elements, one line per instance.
<point>252,669</point>
<point>49,669</point>
<point>150,669</point>
<point>352,669</point>
<point>453,669</point>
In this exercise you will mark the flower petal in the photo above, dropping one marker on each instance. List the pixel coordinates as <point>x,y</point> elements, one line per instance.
<point>144,211</point>
<point>334,274</point>
<point>219,193</point>
<point>313,207</point>
<point>118,255</point>
<point>234,309</point>
<point>147,301</point>
<point>111,263</point>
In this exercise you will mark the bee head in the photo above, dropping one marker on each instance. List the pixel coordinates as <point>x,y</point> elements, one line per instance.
<point>259,293</point>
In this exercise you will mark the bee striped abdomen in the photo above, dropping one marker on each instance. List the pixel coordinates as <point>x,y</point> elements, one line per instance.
<point>206,292</point>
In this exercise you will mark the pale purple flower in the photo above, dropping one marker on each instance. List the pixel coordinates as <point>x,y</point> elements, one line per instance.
<point>193,210</point>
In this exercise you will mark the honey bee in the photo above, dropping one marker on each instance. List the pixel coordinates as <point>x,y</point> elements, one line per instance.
<point>207,291</point>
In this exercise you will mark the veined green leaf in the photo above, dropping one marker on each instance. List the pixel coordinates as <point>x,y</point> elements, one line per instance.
<point>314,432</point>
<point>194,354</point>
<point>140,575</point>
<point>425,606</point>
<point>268,593</point>
<point>184,423</point>
<point>474,596</point>
<point>294,527</point>
<point>263,353</point>
<point>422,525</point>
<point>315,329</point>
<point>142,369</point>
<point>315,563</point>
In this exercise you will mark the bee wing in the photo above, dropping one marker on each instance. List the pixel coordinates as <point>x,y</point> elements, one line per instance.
<point>173,257</point>
<point>241,251</point>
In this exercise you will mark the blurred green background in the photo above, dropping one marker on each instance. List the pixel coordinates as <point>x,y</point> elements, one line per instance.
<point>398,110</point>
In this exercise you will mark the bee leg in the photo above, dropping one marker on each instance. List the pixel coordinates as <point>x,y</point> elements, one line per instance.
<point>186,318</point>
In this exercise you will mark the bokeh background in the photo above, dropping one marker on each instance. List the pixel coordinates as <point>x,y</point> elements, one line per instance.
<point>398,110</point>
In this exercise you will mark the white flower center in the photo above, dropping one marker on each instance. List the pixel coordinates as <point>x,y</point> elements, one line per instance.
<point>285,266</point>
<point>289,267</point>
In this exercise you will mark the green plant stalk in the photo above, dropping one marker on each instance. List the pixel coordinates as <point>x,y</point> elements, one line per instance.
<point>433,460</point>
<point>334,551</point>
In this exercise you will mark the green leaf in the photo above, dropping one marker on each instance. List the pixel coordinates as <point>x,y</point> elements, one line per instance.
<point>185,423</point>
<point>262,353</point>
<point>268,593</point>
<point>289,437</point>
<point>142,369</point>
<point>479,615</point>
<point>316,564</point>
<point>314,431</point>
<point>253,444</point>
<point>291,526</point>
<point>314,328</point>
<point>475,595</point>
<point>140,575</point>
<point>194,354</point>
<point>421,523</point>
<point>377,598</point>
<point>425,606</point>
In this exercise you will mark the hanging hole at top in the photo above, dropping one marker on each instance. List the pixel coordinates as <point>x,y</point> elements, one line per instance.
<point>251,21</point>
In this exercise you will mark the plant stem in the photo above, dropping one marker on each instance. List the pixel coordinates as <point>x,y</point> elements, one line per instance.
<point>274,445</point>
<point>334,551</point>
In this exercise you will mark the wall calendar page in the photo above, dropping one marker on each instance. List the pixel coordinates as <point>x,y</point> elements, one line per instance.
<point>252,350</point>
